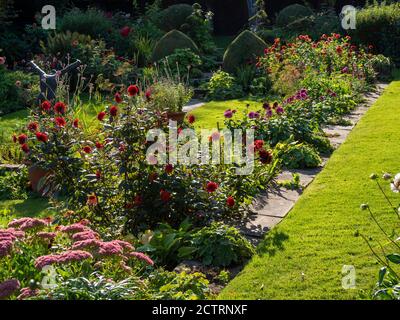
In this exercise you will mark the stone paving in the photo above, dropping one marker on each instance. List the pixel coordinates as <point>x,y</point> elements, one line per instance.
<point>270,207</point>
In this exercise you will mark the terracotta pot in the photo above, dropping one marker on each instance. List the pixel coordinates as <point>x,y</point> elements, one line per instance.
<point>176,116</point>
<point>35,174</point>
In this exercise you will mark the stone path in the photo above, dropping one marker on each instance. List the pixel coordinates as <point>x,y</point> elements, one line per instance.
<point>270,207</point>
<point>193,104</point>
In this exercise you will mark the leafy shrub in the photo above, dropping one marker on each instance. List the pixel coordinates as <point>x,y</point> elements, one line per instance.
<point>182,286</point>
<point>62,43</point>
<point>223,86</point>
<point>183,61</point>
<point>382,66</point>
<point>14,184</point>
<point>243,50</point>
<point>245,75</point>
<point>221,245</point>
<point>91,22</point>
<point>379,25</point>
<point>300,156</point>
<point>174,16</point>
<point>14,48</point>
<point>291,14</point>
<point>170,42</point>
<point>17,89</point>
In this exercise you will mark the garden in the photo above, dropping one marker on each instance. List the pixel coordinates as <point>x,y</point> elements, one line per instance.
<point>147,155</point>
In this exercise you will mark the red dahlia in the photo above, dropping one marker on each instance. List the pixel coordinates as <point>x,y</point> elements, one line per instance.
<point>265,156</point>
<point>138,200</point>
<point>148,94</point>
<point>41,136</point>
<point>169,168</point>
<point>87,149</point>
<point>59,108</point>
<point>76,123</point>
<point>125,31</point>
<point>101,115</point>
<point>99,145</point>
<point>211,186</point>
<point>25,148</point>
<point>114,111</point>
<point>191,118</point>
<point>258,144</point>
<point>33,126</point>
<point>60,122</point>
<point>22,138</point>
<point>133,90</point>
<point>165,195</point>
<point>118,98</point>
<point>230,201</point>
<point>46,105</point>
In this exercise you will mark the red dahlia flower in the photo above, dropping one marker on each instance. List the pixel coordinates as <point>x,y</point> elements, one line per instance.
<point>211,186</point>
<point>265,156</point>
<point>75,123</point>
<point>60,122</point>
<point>33,126</point>
<point>125,31</point>
<point>191,118</point>
<point>99,145</point>
<point>46,105</point>
<point>117,98</point>
<point>59,108</point>
<point>42,137</point>
<point>87,149</point>
<point>113,111</point>
<point>133,90</point>
<point>169,168</point>
<point>101,115</point>
<point>165,195</point>
<point>230,201</point>
<point>22,138</point>
<point>25,148</point>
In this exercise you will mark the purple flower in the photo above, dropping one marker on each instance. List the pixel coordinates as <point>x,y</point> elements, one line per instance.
<point>27,293</point>
<point>228,114</point>
<point>279,110</point>
<point>269,113</point>
<point>8,287</point>
<point>64,257</point>
<point>85,244</point>
<point>85,235</point>
<point>110,248</point>
<point>253,115</point>
<point>266,106</point>
<point>32,223</point>
<point>74,228</point>
<point>345,70</point>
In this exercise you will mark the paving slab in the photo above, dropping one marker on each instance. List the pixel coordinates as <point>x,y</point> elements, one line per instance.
<point>193,104</point>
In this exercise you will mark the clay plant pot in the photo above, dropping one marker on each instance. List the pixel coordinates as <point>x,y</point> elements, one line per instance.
<point>176,116</point>
<point>36,174</point>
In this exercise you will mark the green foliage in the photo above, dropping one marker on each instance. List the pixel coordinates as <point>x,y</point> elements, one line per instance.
<point>379,25</point>
<point>174,16</point>
<point>17,89</point>
<point>14,184</point>
<point>182,286</point>
<point>169,246</point>
<point>91,22</point>
<point>291,14</point>
<point>243,50</point>
<point>300,156</point>
<point>62,43</point>
<point>170,42</point>
<point>223,86</point>
<point>221,245</point>
<point>383,66</point>
<point>183,61</point>
<point>245,75</point>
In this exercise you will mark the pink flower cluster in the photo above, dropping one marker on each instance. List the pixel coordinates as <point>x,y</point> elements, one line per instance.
<point>141,256</point>
<point>27,293</point>
<point>7,238</point>
<point>8,287</point>
<point>85,235</point>
<point>46,235</point>
<point>74,228</point>
<point>62,258</point>
<point>28,223</point>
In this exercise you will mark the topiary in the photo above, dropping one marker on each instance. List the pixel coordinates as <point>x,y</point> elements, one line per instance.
<point>292,13</point>
<point>244,49</point>
<point>174,16</point>
<point>300,156</point>
<point>170,42</point>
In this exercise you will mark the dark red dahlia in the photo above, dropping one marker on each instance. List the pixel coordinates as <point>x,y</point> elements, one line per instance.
<point>75,123</point>
<point>60,108</point>
<point>87,149</point>
<point>101,115</point>
<point>133,90</point>
<point>22,138</point>
<point>42,137</point>
<point>114,111</point>
<point>33,126</point>
<point>230,201</point>
<point>46,105</point>
<point>191,118</point>
<point>118,98</point>
<point>60,122</point>
<point>265,156</point>
<point>25,148</point>
<point>165,195</point>
<point>211,186</point>
<point>169,168</point>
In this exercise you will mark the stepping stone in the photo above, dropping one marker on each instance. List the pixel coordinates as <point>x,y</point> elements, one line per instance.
<point>11,167</point>
<point>193,104</point>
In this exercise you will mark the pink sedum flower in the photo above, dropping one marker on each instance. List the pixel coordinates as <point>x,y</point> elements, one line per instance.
<point>141,256</point>
<point>8,287</point>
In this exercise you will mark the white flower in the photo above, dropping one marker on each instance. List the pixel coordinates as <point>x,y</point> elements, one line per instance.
<point>395,185</point>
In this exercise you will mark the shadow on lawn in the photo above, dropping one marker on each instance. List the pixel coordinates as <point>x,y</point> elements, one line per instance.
<point>272,243</point>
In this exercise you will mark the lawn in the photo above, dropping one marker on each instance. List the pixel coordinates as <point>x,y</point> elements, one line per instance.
<point>303,256</point>
<point>211,115</point>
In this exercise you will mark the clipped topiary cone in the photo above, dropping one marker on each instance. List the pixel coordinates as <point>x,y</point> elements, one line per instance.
<point>245,48</point>
<point>169,42</point>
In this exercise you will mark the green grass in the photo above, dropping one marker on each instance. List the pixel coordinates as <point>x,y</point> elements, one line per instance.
<point>212,113</point>
<point>302,257</point>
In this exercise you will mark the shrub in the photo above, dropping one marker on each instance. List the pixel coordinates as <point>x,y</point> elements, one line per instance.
<point>292,13</point>
<point>379,25</point>
<point>183,61</point>
<point>243,50</point>
<point>17,89</point>
<point>221,245</point>
<point>383,66</point>
<point>62,43</point>
<point>91,22</point>
<point>223,86</point>
<point>174,16</point>
<point>170,42</point>
<point>14,185</point>
<point>300,156</point>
